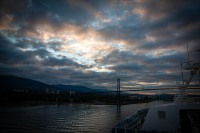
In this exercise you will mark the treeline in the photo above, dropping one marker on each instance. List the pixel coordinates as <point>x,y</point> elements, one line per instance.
<point>16,98</point>
<point>13,97</point>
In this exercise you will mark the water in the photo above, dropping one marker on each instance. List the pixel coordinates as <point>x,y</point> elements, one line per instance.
<point>71,118</point>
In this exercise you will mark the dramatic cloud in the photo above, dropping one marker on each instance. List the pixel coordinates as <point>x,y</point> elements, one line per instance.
<point>92,43</point>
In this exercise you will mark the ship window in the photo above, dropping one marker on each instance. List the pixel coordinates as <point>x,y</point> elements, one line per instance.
<point>162,114</point>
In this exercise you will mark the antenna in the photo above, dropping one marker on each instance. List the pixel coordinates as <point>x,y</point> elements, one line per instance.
<point>188,51</point>
<point>182,71</point>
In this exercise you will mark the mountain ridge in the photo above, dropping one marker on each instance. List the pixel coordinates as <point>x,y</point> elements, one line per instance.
<point>10,82</point>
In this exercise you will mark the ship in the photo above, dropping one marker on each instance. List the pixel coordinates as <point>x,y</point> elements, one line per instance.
<point>180,116</point>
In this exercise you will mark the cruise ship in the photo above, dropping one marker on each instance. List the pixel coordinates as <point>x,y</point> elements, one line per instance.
<point>180,116</point>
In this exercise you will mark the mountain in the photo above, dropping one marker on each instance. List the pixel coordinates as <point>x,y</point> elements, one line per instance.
<point>77,88</point>
<point>9,82</point>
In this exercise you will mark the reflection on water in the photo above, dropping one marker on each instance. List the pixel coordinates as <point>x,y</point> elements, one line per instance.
<point>73,118</point>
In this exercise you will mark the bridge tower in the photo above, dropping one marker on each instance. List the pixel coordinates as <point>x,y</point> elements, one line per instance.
<point>118,90</point>
<point>118,96</point>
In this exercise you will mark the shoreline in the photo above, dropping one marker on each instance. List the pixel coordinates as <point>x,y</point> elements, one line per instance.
<point>38,103</point>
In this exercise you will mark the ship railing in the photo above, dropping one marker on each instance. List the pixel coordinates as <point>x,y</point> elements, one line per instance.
<point>130,124</point>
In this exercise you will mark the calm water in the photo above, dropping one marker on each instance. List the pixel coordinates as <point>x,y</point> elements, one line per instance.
<point>73,118</point>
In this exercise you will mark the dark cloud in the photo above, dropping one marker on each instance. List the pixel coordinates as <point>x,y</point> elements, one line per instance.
<point>11,54</point>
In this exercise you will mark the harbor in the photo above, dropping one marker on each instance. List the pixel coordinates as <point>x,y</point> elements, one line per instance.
<point>70,118</point>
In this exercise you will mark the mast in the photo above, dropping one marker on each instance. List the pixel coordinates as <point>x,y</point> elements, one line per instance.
<point>183,87</point>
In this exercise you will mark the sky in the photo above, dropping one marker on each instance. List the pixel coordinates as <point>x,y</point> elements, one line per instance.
<point>94,42</point>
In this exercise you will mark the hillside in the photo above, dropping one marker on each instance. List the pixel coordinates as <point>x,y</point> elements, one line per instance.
<point>9,82</point>
<point>12,82</point>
